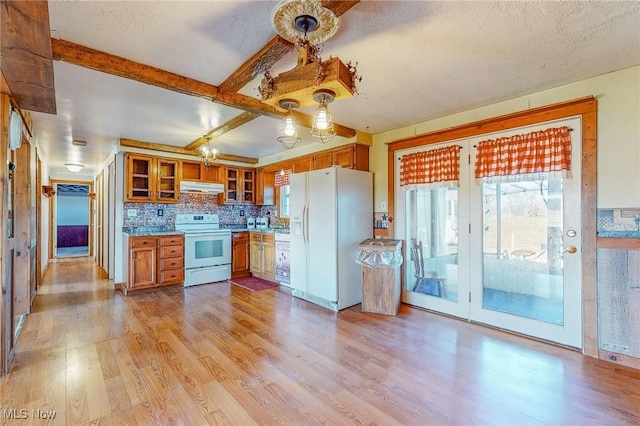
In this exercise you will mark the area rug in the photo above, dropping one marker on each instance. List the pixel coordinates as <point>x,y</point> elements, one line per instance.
<point>253,283</point>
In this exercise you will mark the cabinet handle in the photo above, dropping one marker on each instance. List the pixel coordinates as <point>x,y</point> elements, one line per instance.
<point>133,254</point>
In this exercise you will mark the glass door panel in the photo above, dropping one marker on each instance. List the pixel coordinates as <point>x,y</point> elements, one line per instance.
<point>522,259</point>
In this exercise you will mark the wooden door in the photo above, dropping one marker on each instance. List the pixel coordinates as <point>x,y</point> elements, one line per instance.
<point>255,252</point>
<point>322,160</point>
<point>142,269</point>
<point>343,157</point>
<point>167,185</point>
<point>240,255</point>
<point>139,179</point>
<point>302,164</point>
<point>269,255</point>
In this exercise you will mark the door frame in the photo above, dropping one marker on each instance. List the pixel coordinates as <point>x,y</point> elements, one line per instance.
<point>586,108</point>
<point>53,213</point>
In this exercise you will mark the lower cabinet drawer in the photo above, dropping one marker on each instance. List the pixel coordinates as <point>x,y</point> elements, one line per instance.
<point>173,276</point>
<point>171,251</point>
<point>171,263</point>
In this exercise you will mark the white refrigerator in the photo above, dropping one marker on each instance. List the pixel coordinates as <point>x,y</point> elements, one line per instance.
<point>331,213</point>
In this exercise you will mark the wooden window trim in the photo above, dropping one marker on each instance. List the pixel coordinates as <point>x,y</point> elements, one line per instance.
<point>587,109</point>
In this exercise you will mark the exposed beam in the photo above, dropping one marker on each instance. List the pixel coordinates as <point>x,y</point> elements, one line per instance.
<point>305,121</point>
<point>271,53</point>
<point>235,122</point>
<point>26,54</point>
<point>262,60</point>
<point>132,143</point>
<point>101,61</point>
<point>339,6</point>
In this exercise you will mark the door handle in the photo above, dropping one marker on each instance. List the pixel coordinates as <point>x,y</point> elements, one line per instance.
<point>570,249</point>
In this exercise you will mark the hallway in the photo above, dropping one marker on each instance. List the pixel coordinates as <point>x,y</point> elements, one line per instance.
<point>219,354</point>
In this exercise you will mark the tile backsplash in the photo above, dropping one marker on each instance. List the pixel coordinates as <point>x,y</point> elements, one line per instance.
<point>618,222</point>
<point>230,215</point>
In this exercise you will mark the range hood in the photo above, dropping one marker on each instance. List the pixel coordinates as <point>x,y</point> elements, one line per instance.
<point>202,187</point>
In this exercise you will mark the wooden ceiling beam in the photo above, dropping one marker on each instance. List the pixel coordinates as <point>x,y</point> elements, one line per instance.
<point>104,62</point>
<point>132,143</point>
<point>261,61</point>
<point>272,52</point>
<point>235,122</point>
<point>27,62</point>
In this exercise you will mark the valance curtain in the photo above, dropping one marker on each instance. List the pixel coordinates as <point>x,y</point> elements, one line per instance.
<point>536,155</point>
<point>282,177</point>
<point>437,168</point>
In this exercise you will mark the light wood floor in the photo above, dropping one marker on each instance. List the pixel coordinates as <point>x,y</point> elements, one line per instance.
<point>219,354</point>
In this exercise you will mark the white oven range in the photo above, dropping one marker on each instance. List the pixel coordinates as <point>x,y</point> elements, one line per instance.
<point>207,248</point>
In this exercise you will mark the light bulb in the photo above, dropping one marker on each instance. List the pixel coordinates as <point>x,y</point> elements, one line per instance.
<point>289,128</point>
<point>321,118</point>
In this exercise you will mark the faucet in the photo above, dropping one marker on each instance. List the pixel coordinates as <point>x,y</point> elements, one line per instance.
<point>275,223</point>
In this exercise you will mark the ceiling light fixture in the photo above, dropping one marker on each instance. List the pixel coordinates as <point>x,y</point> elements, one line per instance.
<point>74,168</point>
<point>288,131</point>
<point>291,18</point>
<point>322,125</point>
<point>208,152</point>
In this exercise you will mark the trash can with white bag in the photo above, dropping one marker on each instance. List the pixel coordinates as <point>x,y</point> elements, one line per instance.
<point>380,261</point>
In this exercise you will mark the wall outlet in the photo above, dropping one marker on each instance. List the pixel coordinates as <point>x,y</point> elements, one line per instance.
<point>132,212</point>
<point>241,213</point>
<point>160,212</point>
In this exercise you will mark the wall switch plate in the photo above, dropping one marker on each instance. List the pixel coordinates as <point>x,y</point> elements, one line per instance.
<point>160,212</point>
<point>383,206</point>
<point>132,212</point>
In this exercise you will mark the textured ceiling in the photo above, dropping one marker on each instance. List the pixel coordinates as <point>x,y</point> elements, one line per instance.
<point>419,60</point>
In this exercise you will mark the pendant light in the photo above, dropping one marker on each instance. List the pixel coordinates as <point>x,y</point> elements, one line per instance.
<point>208,152</point>
<point>288,131</point>
<point>322,126</point>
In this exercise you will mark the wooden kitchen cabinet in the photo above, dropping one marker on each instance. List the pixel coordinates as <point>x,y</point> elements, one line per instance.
<point>351,157</point>
<point>142,263</point>
<point>197,171</point>
<point>151,179</point>
<point>302,164</point>
<point>153,262</point>
<point>265,188</point>
<point>239,186</point>
<point>240,255</point>
<point>171,260</point>
<point>263,255</point>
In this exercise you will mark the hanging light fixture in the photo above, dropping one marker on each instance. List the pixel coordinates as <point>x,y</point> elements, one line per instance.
<point>288,132</point>
<point>322,125</point>
<point>208,152</point>
<point>74,168</point>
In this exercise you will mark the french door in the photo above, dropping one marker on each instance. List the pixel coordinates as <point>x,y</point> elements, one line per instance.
<point>502,254</point>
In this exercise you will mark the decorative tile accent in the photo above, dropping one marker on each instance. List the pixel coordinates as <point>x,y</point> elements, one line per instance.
<point>621,223</point>
<point>230,215</point>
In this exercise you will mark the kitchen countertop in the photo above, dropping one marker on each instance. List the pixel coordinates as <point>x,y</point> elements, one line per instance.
<point>149,231</point>
<point>268,230</point>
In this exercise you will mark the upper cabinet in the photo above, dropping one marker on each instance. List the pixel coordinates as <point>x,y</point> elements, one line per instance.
<point>302,164</point>
<point>265,188</point>
<point>351,157</point>
<point>151,179</point>
<point>240,186</point>
<point>197,171</point>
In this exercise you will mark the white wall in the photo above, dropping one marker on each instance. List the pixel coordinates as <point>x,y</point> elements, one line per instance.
<point>618,95</point>
<point>73,209</point>
<point>44,219</point>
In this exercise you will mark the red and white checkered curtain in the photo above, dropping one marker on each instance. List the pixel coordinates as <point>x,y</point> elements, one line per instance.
<point>282,177</point>
<point>536,155</point>
<point>437,168</point>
